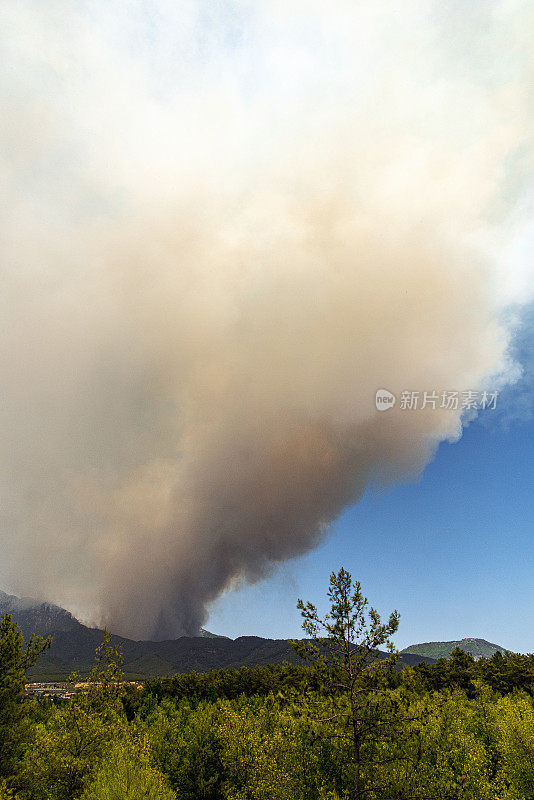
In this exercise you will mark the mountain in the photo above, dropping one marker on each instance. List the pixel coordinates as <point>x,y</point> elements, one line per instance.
<point>33,616</point>
<point>479,648</point>
<point>74,644</point>
<point>210,635</point>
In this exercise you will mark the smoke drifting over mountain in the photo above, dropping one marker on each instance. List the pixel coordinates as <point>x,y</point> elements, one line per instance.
<point>225,225</point>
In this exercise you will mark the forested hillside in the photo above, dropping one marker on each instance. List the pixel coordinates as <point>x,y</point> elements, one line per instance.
<point>478,648</point>
<point>73,647</point>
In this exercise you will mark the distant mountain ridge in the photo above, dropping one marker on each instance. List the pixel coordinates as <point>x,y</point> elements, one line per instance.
<point>479,648</point>
<point>33,616</point>
<point>74,644</point>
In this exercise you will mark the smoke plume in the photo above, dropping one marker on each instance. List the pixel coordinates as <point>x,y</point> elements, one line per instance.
<point>225,225</point>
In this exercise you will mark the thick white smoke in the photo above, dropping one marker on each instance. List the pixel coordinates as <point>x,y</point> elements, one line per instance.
<point>225,225</point>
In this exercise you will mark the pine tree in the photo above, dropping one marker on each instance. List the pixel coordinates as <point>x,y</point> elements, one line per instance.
<point>356,704</point>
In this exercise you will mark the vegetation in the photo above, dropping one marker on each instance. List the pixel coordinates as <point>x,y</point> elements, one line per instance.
<point>459,729</point>
<point>479,648</point>
<point>358,708</point>
<point>15,659</point>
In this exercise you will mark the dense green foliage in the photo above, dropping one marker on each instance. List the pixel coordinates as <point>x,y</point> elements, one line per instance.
<point>277,679</point>
<point>459,729</point>
<point>15,658</point>
<point>272,748</point>
<point>503,673</point>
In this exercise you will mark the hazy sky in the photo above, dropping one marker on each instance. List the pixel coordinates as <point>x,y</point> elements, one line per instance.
<point>226,225</point>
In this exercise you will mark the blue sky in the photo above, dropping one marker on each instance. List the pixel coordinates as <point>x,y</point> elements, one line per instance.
<point>453,552</point>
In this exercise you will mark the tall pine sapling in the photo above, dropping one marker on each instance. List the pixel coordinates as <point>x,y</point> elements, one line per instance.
<point>356,704</point>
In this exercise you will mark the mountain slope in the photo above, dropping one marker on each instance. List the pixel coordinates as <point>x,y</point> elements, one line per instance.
<point>73,646</point>
<point>33,616</point>
<point>479,648</point>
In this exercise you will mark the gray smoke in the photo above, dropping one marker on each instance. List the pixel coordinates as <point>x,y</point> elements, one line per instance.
<point>224,227</point>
